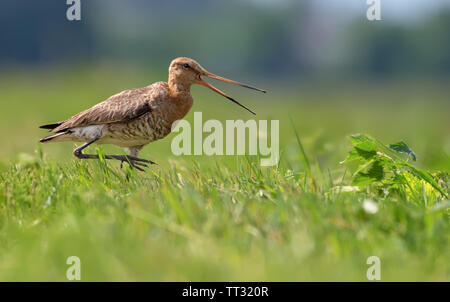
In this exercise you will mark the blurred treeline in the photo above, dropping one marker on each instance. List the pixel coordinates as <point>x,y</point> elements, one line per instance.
<point>274,40</point>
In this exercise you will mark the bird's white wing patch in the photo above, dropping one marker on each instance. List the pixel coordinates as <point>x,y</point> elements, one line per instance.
<point>88,132</point>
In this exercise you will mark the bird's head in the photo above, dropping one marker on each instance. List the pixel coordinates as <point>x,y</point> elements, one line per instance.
<point>186,71</point>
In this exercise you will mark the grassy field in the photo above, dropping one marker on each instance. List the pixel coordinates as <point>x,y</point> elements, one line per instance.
<point>225,218</point>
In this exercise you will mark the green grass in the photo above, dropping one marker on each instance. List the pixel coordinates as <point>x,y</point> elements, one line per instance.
<point>221,218</point>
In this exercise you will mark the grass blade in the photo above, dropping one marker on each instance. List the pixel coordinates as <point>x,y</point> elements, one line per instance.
<point>305,158</point>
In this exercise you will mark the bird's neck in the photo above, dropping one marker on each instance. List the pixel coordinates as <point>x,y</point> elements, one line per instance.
<point>178,86</point>
<point>180,93</point>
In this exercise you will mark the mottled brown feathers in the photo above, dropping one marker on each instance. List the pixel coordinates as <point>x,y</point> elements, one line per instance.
<point>122,107</point>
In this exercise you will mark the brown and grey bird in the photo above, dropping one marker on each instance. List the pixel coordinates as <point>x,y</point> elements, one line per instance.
<point>133,118</point>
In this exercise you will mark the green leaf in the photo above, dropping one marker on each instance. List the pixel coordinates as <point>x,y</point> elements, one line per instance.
<point>380,158</point>
<point>363,148</point>
<point>374,173</point>
<point>363,142</point>
<point>402,147</point>
<point>358,154</point>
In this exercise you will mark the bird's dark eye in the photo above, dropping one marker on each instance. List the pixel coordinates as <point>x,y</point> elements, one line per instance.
<point>186,65</point>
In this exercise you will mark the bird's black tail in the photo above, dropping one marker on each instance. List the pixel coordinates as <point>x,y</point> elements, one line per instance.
<point>50,126</point>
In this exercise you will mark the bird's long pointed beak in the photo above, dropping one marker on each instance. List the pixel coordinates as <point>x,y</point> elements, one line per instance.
<point>213,76</point>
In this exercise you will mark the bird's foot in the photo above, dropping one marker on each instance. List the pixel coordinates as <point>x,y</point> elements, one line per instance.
<point>134,162</point>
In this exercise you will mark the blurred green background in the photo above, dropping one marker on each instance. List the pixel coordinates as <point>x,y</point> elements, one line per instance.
<point>334,71</point>
<point>322,62</point>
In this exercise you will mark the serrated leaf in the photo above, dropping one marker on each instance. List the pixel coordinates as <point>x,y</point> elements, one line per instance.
<point>358,154</point>
<point>363,148</point>
<point>402,147</point>
<point>379,157</point>
<point>363,142</point>
<point>374,173</point>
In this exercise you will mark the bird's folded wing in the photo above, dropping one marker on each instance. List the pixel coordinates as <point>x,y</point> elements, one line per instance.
<point>122,107</point>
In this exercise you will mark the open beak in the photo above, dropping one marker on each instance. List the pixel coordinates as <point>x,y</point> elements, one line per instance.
<point>213,76</point>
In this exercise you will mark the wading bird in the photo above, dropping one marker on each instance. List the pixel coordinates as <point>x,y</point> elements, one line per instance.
<point>133,118</point>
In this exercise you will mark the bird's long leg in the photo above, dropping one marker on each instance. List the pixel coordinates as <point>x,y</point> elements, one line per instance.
<point>133,161</point>
<point>78,151</point>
